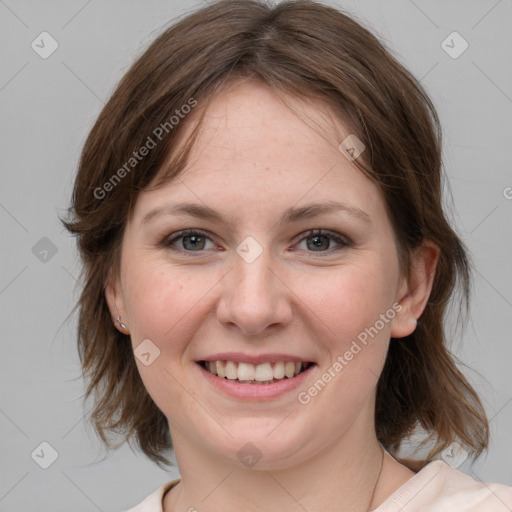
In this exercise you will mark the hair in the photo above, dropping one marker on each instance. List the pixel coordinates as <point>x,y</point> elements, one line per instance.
<point>307,50</point>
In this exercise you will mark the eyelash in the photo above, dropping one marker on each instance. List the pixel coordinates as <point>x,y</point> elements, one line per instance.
<point>343,241</point>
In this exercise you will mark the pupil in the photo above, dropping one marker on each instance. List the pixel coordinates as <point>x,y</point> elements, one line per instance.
<point>317,242</point>
<point>195,240</point>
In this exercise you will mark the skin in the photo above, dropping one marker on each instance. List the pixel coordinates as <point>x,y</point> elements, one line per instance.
<point>255,158</point>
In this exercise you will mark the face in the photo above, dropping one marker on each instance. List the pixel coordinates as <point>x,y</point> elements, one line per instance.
<point>263,283</point>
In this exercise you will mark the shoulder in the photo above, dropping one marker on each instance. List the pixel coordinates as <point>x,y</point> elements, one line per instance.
<point>153,502</point>
<point>440,488</point>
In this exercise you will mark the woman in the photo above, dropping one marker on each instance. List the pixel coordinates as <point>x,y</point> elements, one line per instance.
<point>258,209</point>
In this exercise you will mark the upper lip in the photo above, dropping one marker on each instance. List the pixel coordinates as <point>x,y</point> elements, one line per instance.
<point>240,357</point>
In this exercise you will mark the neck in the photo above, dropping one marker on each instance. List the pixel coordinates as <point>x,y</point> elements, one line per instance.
<point>342,477</point>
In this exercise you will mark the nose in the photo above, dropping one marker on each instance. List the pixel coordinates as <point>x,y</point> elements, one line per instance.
<point>255,298</point>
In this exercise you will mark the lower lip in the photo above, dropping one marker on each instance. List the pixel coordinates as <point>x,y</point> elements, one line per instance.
<point>255,391</point>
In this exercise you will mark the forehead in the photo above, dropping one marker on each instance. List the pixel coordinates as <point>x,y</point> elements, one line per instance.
<point>250,117</point>
<point>261,150</point>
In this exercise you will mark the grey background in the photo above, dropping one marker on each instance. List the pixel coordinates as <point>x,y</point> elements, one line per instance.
<point>48,106</point>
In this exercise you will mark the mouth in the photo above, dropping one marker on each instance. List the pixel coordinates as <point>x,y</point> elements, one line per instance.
<point>256,374</point>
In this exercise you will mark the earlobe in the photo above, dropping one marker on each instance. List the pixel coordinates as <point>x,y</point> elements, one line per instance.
<point>403,325</point>
<point>116,304</point>
<point>415,289</point>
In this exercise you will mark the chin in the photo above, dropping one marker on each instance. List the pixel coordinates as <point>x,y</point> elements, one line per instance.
<point>265,447</point>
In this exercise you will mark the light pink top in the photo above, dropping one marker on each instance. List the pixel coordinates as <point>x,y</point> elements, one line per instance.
<point>436,488</point>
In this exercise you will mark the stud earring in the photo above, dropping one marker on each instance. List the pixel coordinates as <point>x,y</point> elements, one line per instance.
<point>118,321</point>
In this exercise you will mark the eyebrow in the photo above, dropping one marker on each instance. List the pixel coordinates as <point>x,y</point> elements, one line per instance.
<point>290,215</point>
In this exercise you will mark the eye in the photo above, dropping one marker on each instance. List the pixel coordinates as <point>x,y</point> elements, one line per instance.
<point>191,240</point>
<point>321,241</point>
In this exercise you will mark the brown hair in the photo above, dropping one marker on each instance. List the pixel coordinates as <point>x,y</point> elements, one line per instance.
<point>306,49</point>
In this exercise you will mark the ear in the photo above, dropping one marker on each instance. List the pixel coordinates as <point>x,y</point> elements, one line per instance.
<point>414,289</point>
<point>115,302</point>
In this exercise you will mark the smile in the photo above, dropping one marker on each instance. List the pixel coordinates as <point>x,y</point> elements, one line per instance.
<point>262,374</point>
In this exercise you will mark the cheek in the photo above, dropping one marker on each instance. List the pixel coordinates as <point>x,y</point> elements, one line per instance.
<point>165,304</point>
<point>349,300</point>
<point>348,305</point>
<point>163,301</point>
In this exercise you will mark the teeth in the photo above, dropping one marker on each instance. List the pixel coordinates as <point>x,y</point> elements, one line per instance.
<point>246,371</point>
<point>231,370</point>
<point>289,369</point>
<point>279,370</point>
<point>264,373</point>
<point>220,369</point>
